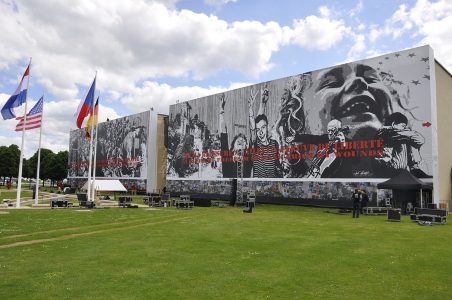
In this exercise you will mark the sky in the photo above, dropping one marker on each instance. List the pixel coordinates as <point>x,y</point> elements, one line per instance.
<point>154,53</point>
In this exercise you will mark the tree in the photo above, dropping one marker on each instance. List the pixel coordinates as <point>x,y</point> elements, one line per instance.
<point>4,162</point>
<point>53,166</point>
<point>59,166</point>
<point>46,164</point>
<point>9,161</point>
<point>27,171</point>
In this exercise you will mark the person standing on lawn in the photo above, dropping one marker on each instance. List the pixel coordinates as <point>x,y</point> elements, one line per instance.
<point>356,198</point>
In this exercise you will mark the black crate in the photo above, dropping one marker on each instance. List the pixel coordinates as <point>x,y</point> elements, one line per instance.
<point>394,215</point>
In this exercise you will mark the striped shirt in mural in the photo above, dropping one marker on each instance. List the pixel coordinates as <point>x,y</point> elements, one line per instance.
<point>265,162</point>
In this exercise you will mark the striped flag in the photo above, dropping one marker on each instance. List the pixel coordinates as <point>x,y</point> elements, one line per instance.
<point>18,98</point>
<point>92,120</point>
<point>34,117</point>
<point>85,106</point>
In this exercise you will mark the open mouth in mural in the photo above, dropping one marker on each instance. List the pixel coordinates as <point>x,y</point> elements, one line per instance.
<point>358,106</point>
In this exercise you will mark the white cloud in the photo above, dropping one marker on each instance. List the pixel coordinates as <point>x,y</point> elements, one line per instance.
<point>429,21</point>
<point>160,96</point>
<point>218,3</point>
<point>133,38</point>
<point>358,47</point>
<point>374,33</point>
<point>432,21</point>
<point>320,33</point>
<point>357,9</point>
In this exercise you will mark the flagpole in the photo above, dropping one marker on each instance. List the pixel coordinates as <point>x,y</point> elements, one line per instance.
<point>95,118</point>
<point>39,157</point>
<point>90,160</point>
<point>19,177</point>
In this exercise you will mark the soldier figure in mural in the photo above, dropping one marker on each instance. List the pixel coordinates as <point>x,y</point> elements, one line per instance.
<point>402,144</point>
<point>325,162</point>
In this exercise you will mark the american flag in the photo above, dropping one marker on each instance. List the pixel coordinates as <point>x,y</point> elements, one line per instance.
<point>34,117</point>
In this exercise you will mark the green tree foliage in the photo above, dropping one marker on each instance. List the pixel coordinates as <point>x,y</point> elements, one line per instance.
<point>46,164</point>
<point>9,161</point>
<point>59,166</point>
<point>53,166</point>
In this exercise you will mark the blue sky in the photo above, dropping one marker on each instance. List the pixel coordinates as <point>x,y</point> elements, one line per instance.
<point>152,53</point>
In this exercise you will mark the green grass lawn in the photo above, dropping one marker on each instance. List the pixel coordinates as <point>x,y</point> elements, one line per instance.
<point>7,194</point>
<point>277,252</point>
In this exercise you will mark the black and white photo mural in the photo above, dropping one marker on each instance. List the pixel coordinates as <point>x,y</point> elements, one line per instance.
<point>355,121</point>
<point>121,151</point>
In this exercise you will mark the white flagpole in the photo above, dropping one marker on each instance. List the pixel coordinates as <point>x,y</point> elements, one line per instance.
<point>95,151</point>
<point>39,156</point>
<point>90,160</point>
<point>19,177</point>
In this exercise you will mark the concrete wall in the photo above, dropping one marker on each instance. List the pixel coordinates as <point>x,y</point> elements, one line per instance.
<point>444,121</point>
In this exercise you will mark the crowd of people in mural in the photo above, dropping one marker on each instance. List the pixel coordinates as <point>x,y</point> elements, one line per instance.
<point>121,149</point>
<point>348,121</point>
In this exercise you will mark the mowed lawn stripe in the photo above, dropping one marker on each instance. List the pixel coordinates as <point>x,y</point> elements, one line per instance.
<point>24,221</point>
<point>33,235</point>
<point>74,235</point>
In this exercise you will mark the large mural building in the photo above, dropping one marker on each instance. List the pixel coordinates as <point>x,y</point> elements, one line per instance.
<point>307,139</point>
<point>131,149</point>
<point>314,137</point>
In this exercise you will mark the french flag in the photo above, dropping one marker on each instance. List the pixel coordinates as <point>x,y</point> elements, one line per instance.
<point>85,107</point>
<point>18,98</point>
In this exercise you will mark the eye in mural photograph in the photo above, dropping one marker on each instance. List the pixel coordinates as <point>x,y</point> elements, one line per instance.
<point>364,119</point>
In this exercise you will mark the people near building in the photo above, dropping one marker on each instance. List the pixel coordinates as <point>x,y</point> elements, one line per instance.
<point>409,208</point>
<point>364,201</point>
<point>356,199</point>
